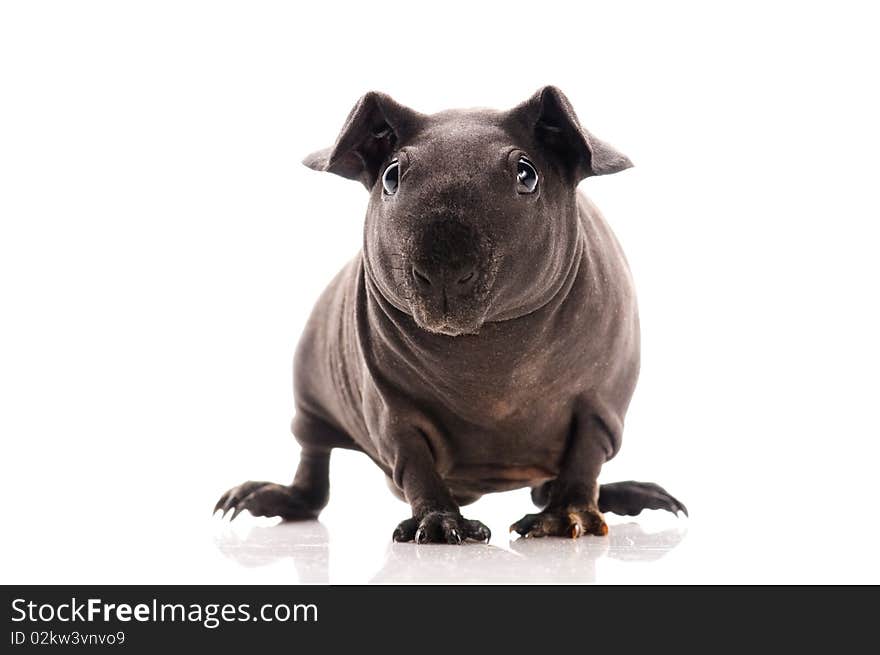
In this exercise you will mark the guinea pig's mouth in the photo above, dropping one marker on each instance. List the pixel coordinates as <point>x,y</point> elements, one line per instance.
<point>447,325</point>
<point>450,315</point>
<point>453,314</point>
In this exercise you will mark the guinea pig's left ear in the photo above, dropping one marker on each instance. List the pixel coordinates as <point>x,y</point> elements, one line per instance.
<point>556,126</point>
<point>370,134</point>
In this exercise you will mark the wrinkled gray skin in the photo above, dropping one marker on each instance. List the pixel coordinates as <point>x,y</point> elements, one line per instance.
<point>485,339</point>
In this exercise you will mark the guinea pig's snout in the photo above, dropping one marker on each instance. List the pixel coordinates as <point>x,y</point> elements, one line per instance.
<point>456,280</point>
<point>445,262</point>
<point>448,277</point>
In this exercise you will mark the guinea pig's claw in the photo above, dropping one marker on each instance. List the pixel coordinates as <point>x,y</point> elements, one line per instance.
<point>448,527</point>
<point>268,499</point>
<point>556,523</point>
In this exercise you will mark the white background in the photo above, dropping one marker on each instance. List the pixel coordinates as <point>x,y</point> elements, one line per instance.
<point>161,247</point>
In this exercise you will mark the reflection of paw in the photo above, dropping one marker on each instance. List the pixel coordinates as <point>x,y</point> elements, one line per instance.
<point>268,499</point>
<point>562,523</point>
<point>441,528</point>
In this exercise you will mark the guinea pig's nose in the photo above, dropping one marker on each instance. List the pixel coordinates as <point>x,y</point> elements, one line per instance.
<point>451,280</point>
<point>422,278</point>
<point>465,279</point>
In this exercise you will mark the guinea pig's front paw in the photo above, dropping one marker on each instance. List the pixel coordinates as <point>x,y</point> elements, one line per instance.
<point>441,528</point>
<point>562,522</point>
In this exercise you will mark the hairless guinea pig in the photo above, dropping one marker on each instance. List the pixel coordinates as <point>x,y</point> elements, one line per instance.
<point>486,338</point>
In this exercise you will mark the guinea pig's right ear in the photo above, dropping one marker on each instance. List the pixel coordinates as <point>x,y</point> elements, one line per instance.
<point>557,128</point>
<point>370,134</point>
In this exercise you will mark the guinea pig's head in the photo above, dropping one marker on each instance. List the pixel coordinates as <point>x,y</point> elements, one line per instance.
<point>472,215</point>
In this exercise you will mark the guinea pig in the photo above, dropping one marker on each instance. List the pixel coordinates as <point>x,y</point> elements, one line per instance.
<point>485,338</point>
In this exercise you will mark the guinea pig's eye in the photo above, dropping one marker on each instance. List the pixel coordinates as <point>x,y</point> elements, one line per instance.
<point>526,176</point>
<point>391,178</point>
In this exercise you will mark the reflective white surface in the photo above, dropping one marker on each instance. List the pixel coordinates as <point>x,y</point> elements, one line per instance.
<point>307,547</point>
<point>164,533</point>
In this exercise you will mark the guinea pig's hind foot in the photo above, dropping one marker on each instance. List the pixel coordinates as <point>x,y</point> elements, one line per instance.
<point>441,528</point>
<point>269,499</point>
<point>562,522</point>
<point>630,498</point>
